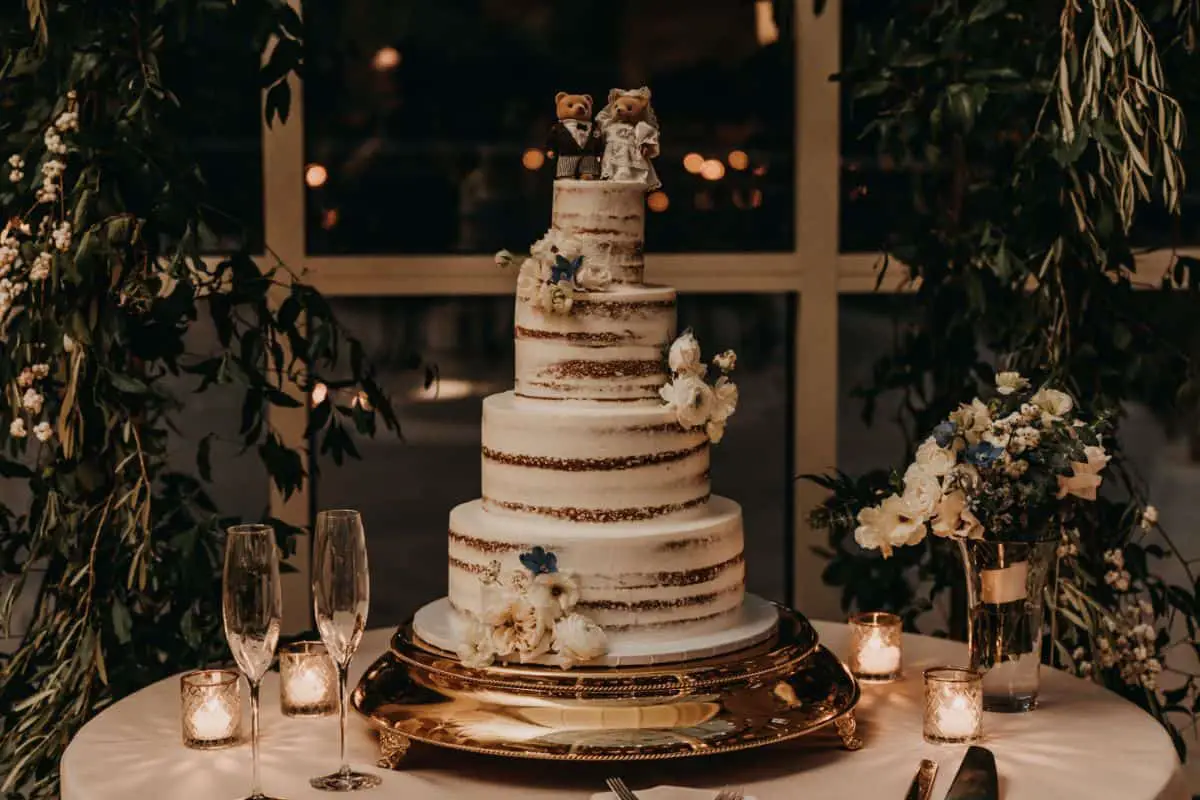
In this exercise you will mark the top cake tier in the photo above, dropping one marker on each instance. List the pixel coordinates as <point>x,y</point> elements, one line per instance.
<point>609,218</point>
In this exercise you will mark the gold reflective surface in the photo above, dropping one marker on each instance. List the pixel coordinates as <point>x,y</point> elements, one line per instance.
<point>783,688</point>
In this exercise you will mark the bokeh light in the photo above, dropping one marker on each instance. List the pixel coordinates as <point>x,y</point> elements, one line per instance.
<point>385,58</point>
<point>533,158</point>
<point>658,201</point>
<point>739,160</point>
<point>712,170</point>
<point>315,175</point>
<point>692,162</point>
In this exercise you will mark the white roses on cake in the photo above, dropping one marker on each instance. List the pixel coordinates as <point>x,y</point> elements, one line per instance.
<point>695,402</point>
<point>555,271</point>
<point>528,614</point>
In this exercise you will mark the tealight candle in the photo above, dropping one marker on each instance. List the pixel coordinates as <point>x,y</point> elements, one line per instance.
<point>953,705</point>
<point>875,646</point>
<point>307,680</point>
<point>211,705</point>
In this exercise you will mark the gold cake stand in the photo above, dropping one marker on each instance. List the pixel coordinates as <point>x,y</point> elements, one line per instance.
<point>780,689</point>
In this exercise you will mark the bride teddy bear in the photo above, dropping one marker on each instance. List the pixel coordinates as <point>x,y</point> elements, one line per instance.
<point>630,132</point>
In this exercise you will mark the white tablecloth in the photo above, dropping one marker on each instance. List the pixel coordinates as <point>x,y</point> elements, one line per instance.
<point>1083,742</point>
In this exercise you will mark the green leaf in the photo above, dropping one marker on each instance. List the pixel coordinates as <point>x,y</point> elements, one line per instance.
<point>204,457</point>
<point>127,383</point>
<point>984,10</point>
<point>122,621</point>
<point>278,103</point>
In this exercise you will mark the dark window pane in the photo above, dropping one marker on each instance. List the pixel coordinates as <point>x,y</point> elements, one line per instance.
<point>406,489</point>
<point>427,117</point>
<point>216,80</point>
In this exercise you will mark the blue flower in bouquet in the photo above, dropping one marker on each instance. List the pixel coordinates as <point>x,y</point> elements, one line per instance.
<point>540,561</point>
<point>564,269</point>
<point>943,434</point>
<point>983,454</point>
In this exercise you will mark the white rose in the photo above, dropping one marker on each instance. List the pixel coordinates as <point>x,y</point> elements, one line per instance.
<point>715,431</point>
<point>1053,403</point>
<point>505,258</point>
<point>516,625</point>
<point>725,399</point>
<point>935,460</point>
<point>556,592</point>
<point>691,398</point>
<point>1009,382</point>
<point>684,357</point>
<point>972,420</point>
<point>577,639</point>
<point>922,491</point>
<point>888,525</point>
<point>43,431</point>
<point>474,642</point>
<point>17,428</point>
<point>592,277</point>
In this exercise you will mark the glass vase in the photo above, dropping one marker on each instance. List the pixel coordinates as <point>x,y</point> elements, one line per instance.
<point>1006,581</point>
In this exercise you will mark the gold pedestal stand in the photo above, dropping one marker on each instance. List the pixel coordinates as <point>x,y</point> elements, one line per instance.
<point>783,688</point>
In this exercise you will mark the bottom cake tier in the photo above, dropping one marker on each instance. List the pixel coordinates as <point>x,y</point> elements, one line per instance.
<point>674,576</point>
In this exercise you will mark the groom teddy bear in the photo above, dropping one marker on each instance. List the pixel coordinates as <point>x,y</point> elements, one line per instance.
<point>575,141</point>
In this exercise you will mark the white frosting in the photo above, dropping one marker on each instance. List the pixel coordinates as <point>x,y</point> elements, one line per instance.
<point>609,218</point>
<point>588,462</point>
<point>610,347</point>
<point>682,574</point>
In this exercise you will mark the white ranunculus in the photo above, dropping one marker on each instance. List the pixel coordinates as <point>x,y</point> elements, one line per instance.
<point>935,460</point>
<point>691,398</point>
<point>556,243</point>
<point>888,525</point>
<point>1085,478</point>
<point>725,399</point>
<point>591,277</point>
<point>577,639</point>
<point>555,592</point>
<point>952,518</point>
<point>684,357</point>
<point>516,625</point>
<point>1053,403</point>
<point>1009,382</point>
<point>922,491</point>
<point>474,641</point>
<point>972,420</point>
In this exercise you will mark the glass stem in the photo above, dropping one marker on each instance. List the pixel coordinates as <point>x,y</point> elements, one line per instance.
<point>256,779</point>
<point>342,669</point>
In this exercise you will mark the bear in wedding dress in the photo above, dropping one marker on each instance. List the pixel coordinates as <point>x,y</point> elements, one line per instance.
<point>630,132</point>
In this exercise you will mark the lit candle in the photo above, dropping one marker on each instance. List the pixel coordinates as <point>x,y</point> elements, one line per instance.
<point>953,705</point>
<point>211,705</point>
<point>875,652</point>
<point>307,680</point>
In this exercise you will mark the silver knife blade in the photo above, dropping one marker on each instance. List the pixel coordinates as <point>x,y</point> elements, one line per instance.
<point>921,787</point>
<point>976,778</point>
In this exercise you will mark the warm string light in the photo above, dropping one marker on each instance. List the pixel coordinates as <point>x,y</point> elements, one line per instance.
<point>658,201</point>
<point>385,58</point>
<point>315,175</point>
<point>692,162</point>
<point>712,170</point>
<point>533,159</point>
<point>738,159</point>
<point>330,218</point>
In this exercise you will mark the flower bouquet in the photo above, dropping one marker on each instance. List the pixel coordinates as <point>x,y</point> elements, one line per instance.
<point>1003,478</point>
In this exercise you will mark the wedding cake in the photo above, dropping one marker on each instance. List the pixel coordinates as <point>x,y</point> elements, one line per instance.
<point>597,538</point>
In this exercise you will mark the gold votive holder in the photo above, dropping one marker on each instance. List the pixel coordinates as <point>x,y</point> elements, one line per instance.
<point>953,705</point>
<point>875,646</point>
<point>211,704</point>
<point>308,683</point>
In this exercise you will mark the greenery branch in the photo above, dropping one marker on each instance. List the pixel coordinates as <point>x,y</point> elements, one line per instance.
<point>106,217</point>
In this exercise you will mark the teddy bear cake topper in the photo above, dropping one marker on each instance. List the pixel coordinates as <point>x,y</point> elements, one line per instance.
<point>618,145</point>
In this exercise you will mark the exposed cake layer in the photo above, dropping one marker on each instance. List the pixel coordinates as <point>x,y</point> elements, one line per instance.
<point>609,348</point>
<point>670,574</point>
<point>591,463</point>
<point>609,218</point>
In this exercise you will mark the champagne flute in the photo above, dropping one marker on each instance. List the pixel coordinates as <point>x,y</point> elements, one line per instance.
<point>252,610</point>
<point>341,594</point>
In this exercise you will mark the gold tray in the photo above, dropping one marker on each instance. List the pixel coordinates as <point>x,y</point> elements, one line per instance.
<point>778,690</point>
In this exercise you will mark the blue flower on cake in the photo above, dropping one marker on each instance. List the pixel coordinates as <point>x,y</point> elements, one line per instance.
<point>695,402</point>
<point>539,561</point>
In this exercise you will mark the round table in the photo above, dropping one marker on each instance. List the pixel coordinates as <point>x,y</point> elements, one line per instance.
<point>1082,742</point>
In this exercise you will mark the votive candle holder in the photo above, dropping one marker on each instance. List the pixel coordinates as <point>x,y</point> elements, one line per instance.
<point>875,647</point>
<point>211,705</point>
<point>308,683</point>
<point>953,705</point>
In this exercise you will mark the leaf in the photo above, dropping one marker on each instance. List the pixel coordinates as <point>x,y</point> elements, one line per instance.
<point>204,457</point>
<point>985,9</point>
<point>122,621</point>
<point>127,384</point>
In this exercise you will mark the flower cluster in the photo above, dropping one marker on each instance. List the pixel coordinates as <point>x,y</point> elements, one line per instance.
<point>696,403</point>
<point>999,469</point>
<point>1127,641</point>
<point>555,271</point>
<point>530,615</point>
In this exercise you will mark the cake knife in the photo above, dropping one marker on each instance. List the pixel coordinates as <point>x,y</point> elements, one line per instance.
<point>922,783</point>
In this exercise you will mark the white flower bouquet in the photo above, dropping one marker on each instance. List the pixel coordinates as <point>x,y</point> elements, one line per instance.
<point>1007,469</point>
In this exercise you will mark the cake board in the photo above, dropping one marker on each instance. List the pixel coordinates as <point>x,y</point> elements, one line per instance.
<point>778,689</point>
